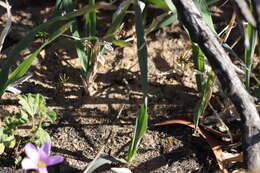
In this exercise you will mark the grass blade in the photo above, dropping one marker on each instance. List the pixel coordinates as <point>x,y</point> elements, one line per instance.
<point>119,16</point>
<point>160,4</point>
<point>92,20</point>
<point>142,119</point>
<point>204,99</point>
<point>199,65</point>
<point>140,129</point>
<point>13,56</point>
<point>24,66</point>
<point>141,52</point>
<point>173,18</point>
<point>205,13</point>
<point>170,5</point>
<point>251,36</point>
<point>100,162</point>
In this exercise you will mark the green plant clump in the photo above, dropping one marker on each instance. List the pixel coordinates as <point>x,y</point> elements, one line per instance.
<point>34,107</point>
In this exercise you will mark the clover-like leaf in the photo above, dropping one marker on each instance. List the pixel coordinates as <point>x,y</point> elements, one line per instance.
<point>42,136</point>
<point>32,103</point>
<point>51,115</point>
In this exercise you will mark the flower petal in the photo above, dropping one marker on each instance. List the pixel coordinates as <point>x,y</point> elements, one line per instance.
<point>28,163</point>
<point>31,151</point>
<point>43,156</point>
<point>46,147</point>
<point>52,160</point>
<point>43,170</point>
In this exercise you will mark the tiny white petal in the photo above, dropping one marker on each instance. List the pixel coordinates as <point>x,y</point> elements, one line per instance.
<point>29,164</point>
<point>31,151</point>
<point>121,170</point>
<point>43,170</point>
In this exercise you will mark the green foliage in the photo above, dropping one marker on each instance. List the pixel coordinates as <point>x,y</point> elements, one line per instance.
<point>199,65</point>
<point>140,129</point>
<point>251,36</point>
<point>142,119</point>
<point>5,78</point>
<point>204,99</point>
<point>160,4</point>
<point>100,161</point>
<point>41,136</point>
<point>34,106</point>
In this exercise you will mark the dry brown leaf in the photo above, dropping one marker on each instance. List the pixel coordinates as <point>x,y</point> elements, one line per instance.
<point>214,144</point>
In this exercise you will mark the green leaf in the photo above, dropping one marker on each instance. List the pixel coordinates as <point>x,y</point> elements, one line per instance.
<point>160,4</point>
<point>170,5</point>
<point>199,64</point>
<point>102,161</point>
<point>51,115</point>
<point>204,99</point>
<point>14,121</point>
<point>205,13</point>
<point>141,51</point>
<point>251,36</point>
<point>119,16</point>
<point>211,2</point>
<point>42,136</point>
<point>10,141</point>
<point>13,56</point>
<point>173,18</point>
<point>142,119</point>
<point>18,159</point>
<point>24,66</point>
<point>140,129</point>
<point>32,103</point>
<point>1,134</point>
<point>92,20</point>
<point>2,148</point>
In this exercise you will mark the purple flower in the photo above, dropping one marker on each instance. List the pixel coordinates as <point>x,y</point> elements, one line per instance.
<point>39,159</point>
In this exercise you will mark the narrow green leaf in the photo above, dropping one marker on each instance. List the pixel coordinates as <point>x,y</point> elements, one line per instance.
<point>58,8</point>
<point>165,22</point>
<point>199,65</point>
<point>141,51</point>
<point>140,129</point>
<point>251,36</point>
<point>13,56</point>
<point>92,20</point>
<point>204,11</point>
<point>170,5</point>
<point>24,66</point>
<point>119,16</point>
<point>102,161</point>
<point>204,99</point>
<point>160,4</point>
<point>142,119</point>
